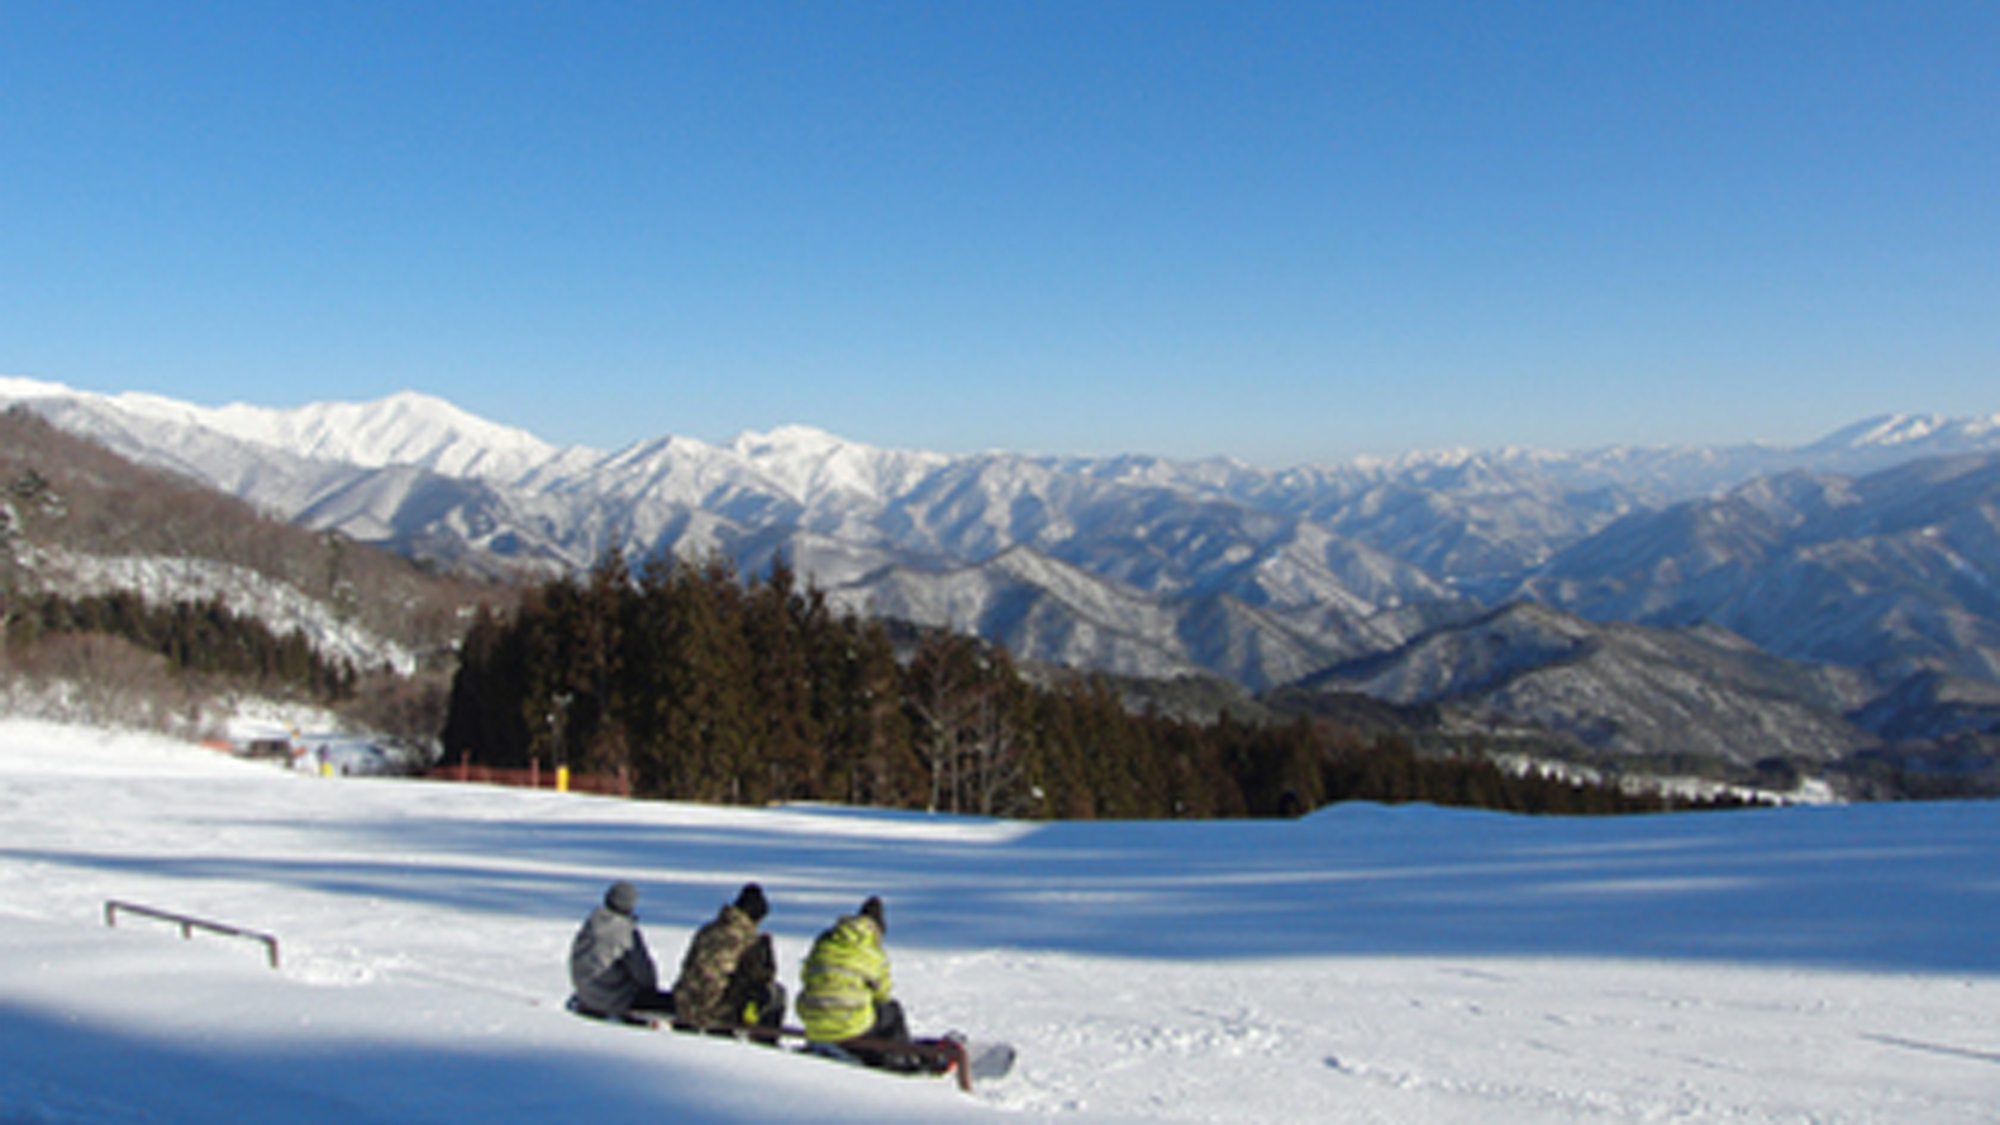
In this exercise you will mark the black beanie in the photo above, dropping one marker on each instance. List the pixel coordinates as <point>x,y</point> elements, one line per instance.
<point>872,909</point>
<point>751,901</point>
<point>622,897</point>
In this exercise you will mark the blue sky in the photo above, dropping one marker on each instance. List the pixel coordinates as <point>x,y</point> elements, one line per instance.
<point>1280,232</point>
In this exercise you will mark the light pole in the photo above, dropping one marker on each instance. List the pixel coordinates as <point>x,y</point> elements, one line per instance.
<point>558,723</point>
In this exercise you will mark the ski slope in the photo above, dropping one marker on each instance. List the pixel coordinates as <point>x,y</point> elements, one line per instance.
<point>1363,965</point>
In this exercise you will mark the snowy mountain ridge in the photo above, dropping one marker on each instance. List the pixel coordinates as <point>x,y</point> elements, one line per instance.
<point>806,464</point>
<point>1622,690</point>
<point>407,428</point>
<point>1939,434</point>
<point>1139,564</point>
<point>1898,571</point>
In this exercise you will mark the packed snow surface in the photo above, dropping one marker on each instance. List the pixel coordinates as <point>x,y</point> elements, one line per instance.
<point>1832,964</point>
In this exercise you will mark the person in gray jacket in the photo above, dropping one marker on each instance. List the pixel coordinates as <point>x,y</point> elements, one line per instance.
<point>609,964</point>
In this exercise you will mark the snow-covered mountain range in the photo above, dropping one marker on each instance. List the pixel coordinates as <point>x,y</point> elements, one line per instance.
<point>1875,547</point>
<point>1627,691</point>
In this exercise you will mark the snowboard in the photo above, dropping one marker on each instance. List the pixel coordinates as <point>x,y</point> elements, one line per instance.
<point>985,1062</point>
<point>966,1061</point>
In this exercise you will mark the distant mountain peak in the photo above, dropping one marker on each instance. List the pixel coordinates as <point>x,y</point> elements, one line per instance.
<point>1888,431</point>
<point>405,428</point>
<point>810,463</point>
<point>787,439</point>
<point>1881,430</point>
<point>18,387</point>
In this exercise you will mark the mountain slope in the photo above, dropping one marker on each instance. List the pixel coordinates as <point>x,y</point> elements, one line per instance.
<point>77,520</point>
<point>1897,572</point>
<point>1618,689</point>
<point>403,429</point>
<point>1044,610</point>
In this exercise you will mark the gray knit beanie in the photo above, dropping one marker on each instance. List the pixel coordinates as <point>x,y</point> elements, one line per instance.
<point>622,897</point>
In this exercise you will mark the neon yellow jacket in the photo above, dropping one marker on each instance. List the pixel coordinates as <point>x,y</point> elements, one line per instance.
<point>846,975</point>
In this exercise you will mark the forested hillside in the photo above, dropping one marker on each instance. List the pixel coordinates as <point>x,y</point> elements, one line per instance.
<point>75,497</point>
<point>689,683</point>
<point>128,594</point>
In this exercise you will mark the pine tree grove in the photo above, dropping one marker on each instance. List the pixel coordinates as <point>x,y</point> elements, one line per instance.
<point>692,684</point>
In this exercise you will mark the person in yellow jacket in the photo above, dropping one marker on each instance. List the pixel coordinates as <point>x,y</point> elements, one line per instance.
<point>847,993</point>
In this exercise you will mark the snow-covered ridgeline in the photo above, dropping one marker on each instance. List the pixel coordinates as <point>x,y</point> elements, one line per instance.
<point>810,466</point>
<point>1257,575</point>
<point>403,429</point>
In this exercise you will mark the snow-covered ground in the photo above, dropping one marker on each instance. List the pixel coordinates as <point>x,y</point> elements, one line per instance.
<point>1833,964</point>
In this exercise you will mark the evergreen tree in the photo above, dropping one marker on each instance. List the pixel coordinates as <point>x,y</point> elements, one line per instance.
<point>693,684</point>
<point>605,608</point>
<point>777,622</point>
<point>867,757</point>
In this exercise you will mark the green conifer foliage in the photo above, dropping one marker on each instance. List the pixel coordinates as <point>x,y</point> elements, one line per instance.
<point>691,683</point>
<point>204,638</point>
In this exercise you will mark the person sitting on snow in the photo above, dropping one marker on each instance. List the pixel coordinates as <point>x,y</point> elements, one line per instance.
<point>847,994</point>
<point>609,964</point>
<point>729,977</point>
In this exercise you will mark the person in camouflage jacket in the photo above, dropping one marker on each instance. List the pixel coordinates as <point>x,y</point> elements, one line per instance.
<point>729,976</point>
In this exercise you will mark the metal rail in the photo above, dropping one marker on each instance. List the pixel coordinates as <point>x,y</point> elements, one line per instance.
<point>189,925</point>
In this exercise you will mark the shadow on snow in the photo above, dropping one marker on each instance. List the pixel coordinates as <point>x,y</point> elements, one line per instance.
<point>1884,887</point>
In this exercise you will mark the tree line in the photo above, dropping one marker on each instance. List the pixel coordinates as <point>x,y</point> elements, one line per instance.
<point>201,637</point>
<point>694,684</point>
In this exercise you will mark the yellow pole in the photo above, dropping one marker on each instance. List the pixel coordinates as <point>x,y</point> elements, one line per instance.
<point>562,779</point>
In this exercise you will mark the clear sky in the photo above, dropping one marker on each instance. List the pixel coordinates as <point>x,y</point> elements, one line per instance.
<point>1280,232</point>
